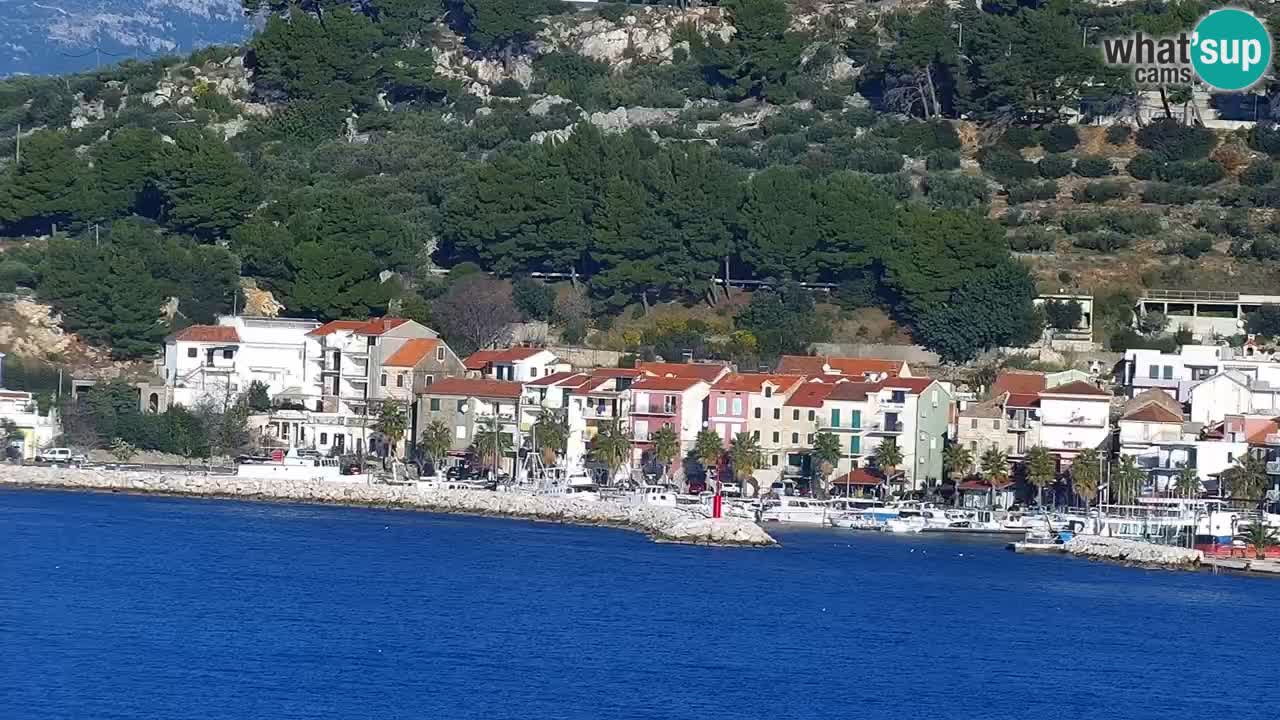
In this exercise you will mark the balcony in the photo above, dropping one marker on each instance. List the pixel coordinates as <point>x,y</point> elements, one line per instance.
<point>1272,439</point>
<point>1019,426</point>
<point>1273,467</point>
<point>664,411</point>
<point>885,428</point>
<point>592,412</point>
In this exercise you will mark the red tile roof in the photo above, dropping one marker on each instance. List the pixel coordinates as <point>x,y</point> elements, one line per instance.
<point>858,476</point>
<point>1079,387</point>
<point>616,372</point>
<point>983,485</point>
<point>708,372</point>
<point>474,387</point>
<point>412,352</point>
<point>552,379</point>
<point>208,333</point>
<point>482,358</point>
<point>1019,400</point>
<point>754,382</point>
<point>1153,413</point>
<point>374,327</point>
<point>675,384</point>
<point>810,394</point>
<point>1019,382</point>
<point>852,390</point>
<point>818,365</point>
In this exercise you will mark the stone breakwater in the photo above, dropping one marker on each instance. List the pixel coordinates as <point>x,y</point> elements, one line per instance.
<point>661,523</point>
<point>1133,551</point>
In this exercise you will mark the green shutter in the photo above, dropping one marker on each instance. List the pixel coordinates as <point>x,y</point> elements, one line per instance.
<point>835,417</point>
<point>857,419</point>
<point>855,443</point>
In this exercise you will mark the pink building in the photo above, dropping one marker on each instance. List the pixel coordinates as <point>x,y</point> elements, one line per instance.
<point>676,402</point>
<point>748,402</point>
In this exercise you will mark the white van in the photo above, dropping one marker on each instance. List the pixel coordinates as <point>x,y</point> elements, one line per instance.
<point>60,455</point>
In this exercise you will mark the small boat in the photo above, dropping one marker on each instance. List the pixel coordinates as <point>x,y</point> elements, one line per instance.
<point>907,522</point>
<point>297,465</point>
<point>1038,540</point>
<point>797,510</point>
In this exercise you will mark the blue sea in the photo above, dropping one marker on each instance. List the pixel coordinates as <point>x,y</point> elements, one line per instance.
<point>128,607</point>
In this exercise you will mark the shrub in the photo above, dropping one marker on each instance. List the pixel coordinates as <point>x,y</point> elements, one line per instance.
<point>1020,137</point>
<point>1265,137</point>
<point>956,191</point>
<point>1029,191</point>
<point>14,274</point>
<point>875,160</point>
<point>1133,222</point>
<point>942,160</point>
<point>898,185</point>
<point>1144,166</point>
<point>1191,247</point>
<point>1061,138</point>
<point>1192,172</point>
<point>1119,134</point>
<point>1166,194</point>
<point>1017,217</point>
<point>1101,191</point>
<point>1103,241</point>
<point>1055,166</point>
<point>1267,196</point>
<point>1232,222</point>
<point>1005,165</point>
<point>1264,248</point>
<point>922,137</point>
<point>533,298</point>
<point>509,88</point>
<point>1171,140</point>
<point>1082,222</point>
<point>1032,239</point>
<point>1259,172</point>
<point>1094,166</point>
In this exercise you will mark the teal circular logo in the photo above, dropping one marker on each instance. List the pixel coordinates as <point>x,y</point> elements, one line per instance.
<point>1231,49</point>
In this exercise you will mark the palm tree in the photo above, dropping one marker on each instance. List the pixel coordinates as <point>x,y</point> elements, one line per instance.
<point>666,446</point>
<point>490,443</point>
<point>437,441</point>
<point>392,423</point>
<point>1247,478</point>
<point>1084,476</point>
<point>1260,537</point>
<point>611,446</point>
<point>1127,478</point>
<point>551,431</point>
<point>887,456</point>
<point>744,453</point>
<point>1188,482</point>
<point>827,451</point>
<point>995,469</point>
<point>1041,470</point>
<point>957,462</point>
<point>708,448</point>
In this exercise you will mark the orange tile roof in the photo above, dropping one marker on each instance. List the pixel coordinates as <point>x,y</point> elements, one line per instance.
<point>481,358</point>
<point>754,382</point>
<point>1021,400</point>
<point>412,352</point>
<point>474,387</point>
<point>852,390</point>
<point>374,327</point>
<point>616,372</point>
<point>858,476</point>
<point>676,384</point>
<point>810,394</point>
<point>708,372</point>
<point>1019,382</point>
<point>818,365</point>
<point>208,333</point>
<point>1079,387</point>
<point>1153,413</point>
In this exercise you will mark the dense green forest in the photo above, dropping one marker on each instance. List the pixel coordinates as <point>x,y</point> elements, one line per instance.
<point>368,160</point>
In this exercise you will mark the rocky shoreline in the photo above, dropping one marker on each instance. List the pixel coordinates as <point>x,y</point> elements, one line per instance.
<point>660,523</point>
<point>1133,552</point>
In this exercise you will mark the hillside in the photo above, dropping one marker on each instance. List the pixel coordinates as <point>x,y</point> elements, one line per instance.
<point>344,157</point>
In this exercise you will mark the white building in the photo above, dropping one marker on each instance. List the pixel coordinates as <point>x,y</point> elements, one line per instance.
<point>35,431</point>
<point>517,364</point>
<point>1074,417</point>
<point>1232,393</point>
<point>587,401</point>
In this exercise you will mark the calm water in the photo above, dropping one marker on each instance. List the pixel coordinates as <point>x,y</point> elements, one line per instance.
<point>128,607</point>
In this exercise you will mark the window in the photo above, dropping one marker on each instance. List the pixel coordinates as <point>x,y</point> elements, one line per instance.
<point>973,447</point>
<point>899,396</point>
<point>795,414</point>
<point>810,439</point>
<point>228,354</point>
<point>756,435</point>
<point>191,352</point>
<point>933,443</point>
<point>835,417</point>
<point>462,406</point>
<point>284,430</point>
<point>737,406</point>
<point>440,354</point>
<point>460,432</point>
<point>995,424</point>
<point>722,406</point>
<point>757,413</point>
<point>430,379</point>
<point>811,416</point>
<point>384,380</point>
<point>857,419</point>
<point>777,437</point>
<point>973,424</point>
<point>768,392</point>
<point>435,404</point>
<point>855,445</point>
<point>400,380</point>
<point>795,438</point>
<point>777,413</point>
<point>773,461</point>
<point>533,372</point>
<point>1155,372</point>
<point>671,403</point>
<point>324,438</point>
<point>1168,372</point>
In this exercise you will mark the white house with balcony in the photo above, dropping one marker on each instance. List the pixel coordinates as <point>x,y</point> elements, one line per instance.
<point>1232,393</point>
<point>586,400</point>
<point>35,431</point>
<point>348,361</point>
<point>515,364</point>
<point>1074,417</point>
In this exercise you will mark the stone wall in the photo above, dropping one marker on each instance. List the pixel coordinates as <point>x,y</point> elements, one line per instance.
<point>660,523</point>
<point>1133,551</point>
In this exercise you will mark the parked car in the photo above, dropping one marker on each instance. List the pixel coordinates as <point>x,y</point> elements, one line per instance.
<point>60,455</point>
